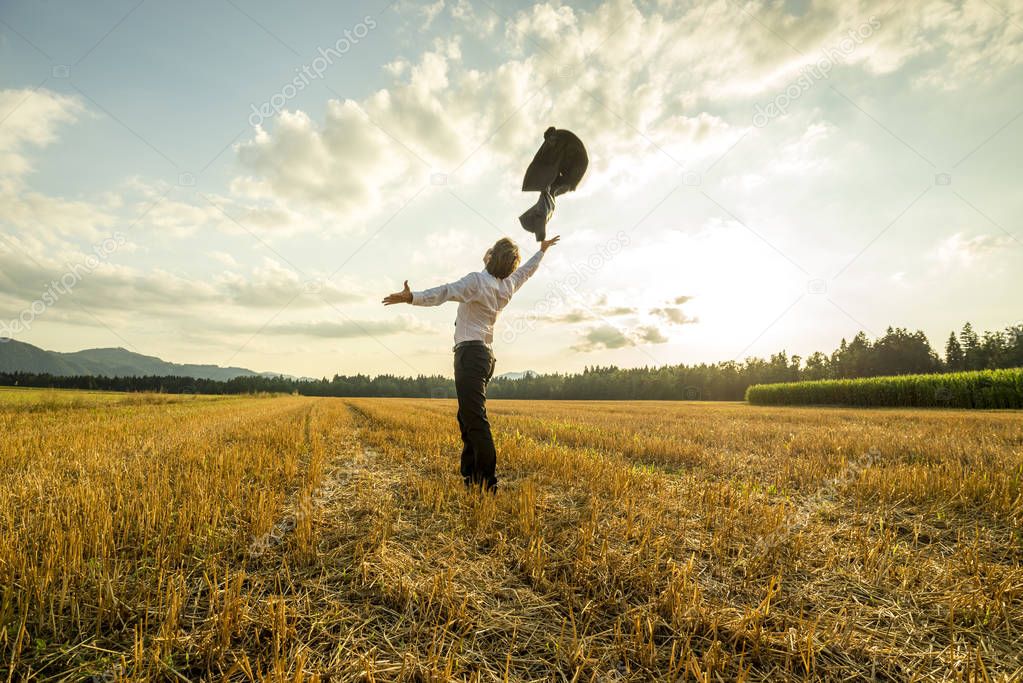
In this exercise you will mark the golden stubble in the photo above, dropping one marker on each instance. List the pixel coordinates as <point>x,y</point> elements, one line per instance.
<point>289,538</point>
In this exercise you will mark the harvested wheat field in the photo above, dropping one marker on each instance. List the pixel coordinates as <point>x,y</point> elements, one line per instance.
<point>299,539</point>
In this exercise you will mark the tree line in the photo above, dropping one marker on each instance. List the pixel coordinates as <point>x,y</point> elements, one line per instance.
<point>897,352</point>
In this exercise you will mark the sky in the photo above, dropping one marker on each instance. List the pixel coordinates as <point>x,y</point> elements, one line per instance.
<point>240,182</point>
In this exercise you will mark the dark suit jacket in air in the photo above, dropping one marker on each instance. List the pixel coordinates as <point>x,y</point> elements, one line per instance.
<point>559,164</point>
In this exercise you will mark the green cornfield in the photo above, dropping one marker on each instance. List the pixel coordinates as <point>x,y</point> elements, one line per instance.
<point>981,389</point>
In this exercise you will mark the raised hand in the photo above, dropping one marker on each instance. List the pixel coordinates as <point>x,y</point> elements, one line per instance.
<point>549,243</point>
<point>402,297</point>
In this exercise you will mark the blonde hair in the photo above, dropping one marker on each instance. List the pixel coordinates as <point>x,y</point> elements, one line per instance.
<point>504,258</point>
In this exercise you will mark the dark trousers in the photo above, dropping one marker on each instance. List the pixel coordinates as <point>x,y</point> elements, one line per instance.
<point>474,366</point>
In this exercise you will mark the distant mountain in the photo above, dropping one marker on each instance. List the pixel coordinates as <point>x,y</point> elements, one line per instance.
<point>517,375</point>
<point>18,356</point>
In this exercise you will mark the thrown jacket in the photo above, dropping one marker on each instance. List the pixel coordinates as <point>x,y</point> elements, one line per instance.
<point>559,164</point>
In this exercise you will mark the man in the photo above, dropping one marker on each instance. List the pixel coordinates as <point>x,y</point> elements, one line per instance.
<point>480,296</point>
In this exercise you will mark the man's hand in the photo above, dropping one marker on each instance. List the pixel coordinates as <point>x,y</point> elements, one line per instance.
<point>549,243</point>
<point>402,297</point>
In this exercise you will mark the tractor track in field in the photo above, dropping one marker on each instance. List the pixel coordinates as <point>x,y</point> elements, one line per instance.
<point>351,467</point>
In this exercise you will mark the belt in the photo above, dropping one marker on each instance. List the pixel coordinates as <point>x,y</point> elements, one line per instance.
<point>471,342</point>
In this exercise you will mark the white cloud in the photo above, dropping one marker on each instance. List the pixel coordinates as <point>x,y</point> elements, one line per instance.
<point>349,328</point>
<point>804,156</point>
<point>625,78</point>
<point>606,336</point>
<point>603,337</point>
<point>431,11</point>
<point>480,23</point>
<point>32,122</point>
<point>223,258</point>
<point>438,113</point>
<point>172,218</point>
<point>590,313</point>
<point>49,216</point>
<point>674,315</point>
<point>345,165</point>
<point>31,119</point>
<point>651,334</point>
<point>643,328</point>
<point>961,250</point>
<point>227,301</point>
<point>964,41</point>
<point>439,246</point>
<point>274,286</point>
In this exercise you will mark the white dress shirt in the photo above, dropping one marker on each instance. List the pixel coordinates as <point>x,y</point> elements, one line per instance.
<point>481,297</point>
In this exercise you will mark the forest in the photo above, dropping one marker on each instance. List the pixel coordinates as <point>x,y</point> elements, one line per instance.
<point>897,352</point>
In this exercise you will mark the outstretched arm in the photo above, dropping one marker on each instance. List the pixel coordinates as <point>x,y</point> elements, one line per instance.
<point>526,270</point>
<point>402,297</point>
<point>462,290</point>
